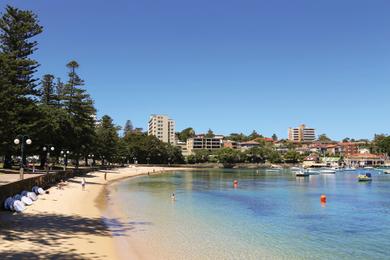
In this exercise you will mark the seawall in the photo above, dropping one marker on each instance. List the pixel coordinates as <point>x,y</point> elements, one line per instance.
<point>45,181</point>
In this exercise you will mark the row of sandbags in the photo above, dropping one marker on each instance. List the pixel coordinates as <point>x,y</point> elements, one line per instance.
<point>19,202</point>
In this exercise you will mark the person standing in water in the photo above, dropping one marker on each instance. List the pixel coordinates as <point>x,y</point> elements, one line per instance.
<point>83,183</point>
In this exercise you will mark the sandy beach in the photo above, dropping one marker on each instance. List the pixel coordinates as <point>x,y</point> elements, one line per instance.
<point>67,223</point>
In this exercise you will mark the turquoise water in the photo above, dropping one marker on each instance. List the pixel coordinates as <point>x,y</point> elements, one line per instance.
<point>269,214</point>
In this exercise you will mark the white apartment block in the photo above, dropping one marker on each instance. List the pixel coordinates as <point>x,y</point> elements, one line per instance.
<point>201,142</point>
<point>163,128</point>
<point>302,134</point>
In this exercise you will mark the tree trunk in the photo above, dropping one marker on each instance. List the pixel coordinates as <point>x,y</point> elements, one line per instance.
<point>7,161</point>
<point>42,159</point>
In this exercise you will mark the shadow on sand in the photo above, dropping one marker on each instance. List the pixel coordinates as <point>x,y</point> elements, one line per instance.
<point>53,231</point>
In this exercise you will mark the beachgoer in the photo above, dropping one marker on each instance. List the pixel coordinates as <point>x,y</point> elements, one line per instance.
<point>61,184</point>
<point>83,183</point>
<point>105,175</point>
<point>173,197</point>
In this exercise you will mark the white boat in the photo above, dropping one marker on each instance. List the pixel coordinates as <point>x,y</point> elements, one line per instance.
<point>386,171</point>
<point>313,171</point>
<point>302,173</point>
<point>368,167</point>
<point>327,171</point>
<point>294,169</point>
<point>272,170</point>
<point>349,169</point>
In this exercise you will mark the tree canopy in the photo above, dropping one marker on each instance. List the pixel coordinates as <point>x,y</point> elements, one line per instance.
<point>18,85</point>
<point>324,138</point>
<point>381,144</point>
<point>186,134</point>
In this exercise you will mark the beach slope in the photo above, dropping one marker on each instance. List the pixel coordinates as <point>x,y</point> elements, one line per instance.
<point>67,223</point>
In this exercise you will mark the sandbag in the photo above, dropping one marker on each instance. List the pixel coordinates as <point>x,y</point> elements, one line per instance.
<point>35,189</point>
<point>32,196</point>
<point>26,200</point>
<point>18,206</point>
<point>17,197</point>
<point>41,191</point>
<point>8,203</point>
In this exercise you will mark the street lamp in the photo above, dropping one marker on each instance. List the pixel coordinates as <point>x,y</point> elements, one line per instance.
<point>65,153</point>
<point>22,140</point>
<point>48,148</point>
<point>91,156</point>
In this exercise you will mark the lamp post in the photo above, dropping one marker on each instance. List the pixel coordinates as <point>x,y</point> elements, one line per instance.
<point>33,161</point>
<point>47,149</point>
<point>91,156</point>
<point>65,153</point>
<point>22,140</point>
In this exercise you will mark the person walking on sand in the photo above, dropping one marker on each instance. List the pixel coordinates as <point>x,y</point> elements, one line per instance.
<point>83,183</point>
<point>173,197</point>
<point>105,176</point>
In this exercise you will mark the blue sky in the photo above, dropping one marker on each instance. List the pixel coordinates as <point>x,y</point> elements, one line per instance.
<point>232,66</point>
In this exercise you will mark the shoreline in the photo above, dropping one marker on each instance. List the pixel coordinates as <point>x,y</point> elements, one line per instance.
<point>69,222</point>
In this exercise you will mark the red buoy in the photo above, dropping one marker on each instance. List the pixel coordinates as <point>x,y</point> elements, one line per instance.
<point>323,198</point>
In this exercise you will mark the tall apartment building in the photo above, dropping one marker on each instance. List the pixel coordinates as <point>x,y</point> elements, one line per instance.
<point>302,134</point>
<point>163,128</point>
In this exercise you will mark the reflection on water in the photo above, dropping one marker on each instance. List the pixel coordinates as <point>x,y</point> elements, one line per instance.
<point>268,214</point>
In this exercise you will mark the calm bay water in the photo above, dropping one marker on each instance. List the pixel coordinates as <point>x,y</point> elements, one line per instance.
<point>269,215</point>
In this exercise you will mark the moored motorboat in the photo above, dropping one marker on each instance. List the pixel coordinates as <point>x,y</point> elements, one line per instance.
<point>327,171</point>
<point>272,170</point>
<point>302,173</point>
<point>386,171</point>
<point>349,169</point>
<point>313,171</point>
<point>365,177</point>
